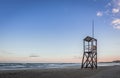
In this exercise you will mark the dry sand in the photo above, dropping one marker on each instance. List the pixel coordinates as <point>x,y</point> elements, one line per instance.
<point>101,72</point>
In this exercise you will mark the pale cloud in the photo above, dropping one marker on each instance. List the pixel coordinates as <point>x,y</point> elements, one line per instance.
<point>117,27</point>
<point>116,23</point>
<point>5,52</point>
<point>116,2</point>
<point>34,55</point>
<point>112,11</point>
<point>115,6</point>
<point>76,57</point>
<point>115,10</point>
<point>109,4</point>
<point>99,14</point>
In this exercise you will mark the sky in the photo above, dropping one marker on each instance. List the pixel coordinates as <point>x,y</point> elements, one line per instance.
<point>53,30</point>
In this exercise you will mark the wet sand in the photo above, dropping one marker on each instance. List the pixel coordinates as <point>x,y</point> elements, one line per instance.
<point>101,72</point>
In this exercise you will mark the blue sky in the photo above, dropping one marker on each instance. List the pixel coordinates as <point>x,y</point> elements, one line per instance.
<point>53,30</point>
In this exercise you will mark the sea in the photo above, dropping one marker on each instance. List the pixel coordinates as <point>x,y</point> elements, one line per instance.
<point>22,66</point>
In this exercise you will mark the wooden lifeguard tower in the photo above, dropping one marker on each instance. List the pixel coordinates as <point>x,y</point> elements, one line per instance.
<point>89,59</point>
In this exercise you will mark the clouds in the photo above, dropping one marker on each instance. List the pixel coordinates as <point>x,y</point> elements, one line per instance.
<point>115,14</point>
<point>112,10</point>
<point>115,10</point>
<point>115,6</point>
<point>116,3</point>
<point>34,55</point>
<point>5,52</point>
<point>99,14</point>
<point>116,23</point>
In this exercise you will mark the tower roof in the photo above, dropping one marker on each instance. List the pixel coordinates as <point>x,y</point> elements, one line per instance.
<point>88,38</point>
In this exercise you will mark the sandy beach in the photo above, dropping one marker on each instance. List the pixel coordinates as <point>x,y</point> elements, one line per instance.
<point>101,72</point>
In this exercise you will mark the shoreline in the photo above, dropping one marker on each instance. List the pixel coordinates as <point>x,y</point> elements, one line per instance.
<point>29,66</point>
<point>101,72</point>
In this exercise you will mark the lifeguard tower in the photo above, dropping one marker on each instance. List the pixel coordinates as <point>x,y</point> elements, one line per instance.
<point>89,59</point>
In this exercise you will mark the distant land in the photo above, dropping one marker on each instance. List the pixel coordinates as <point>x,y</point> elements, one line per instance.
<point>115,61</point>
